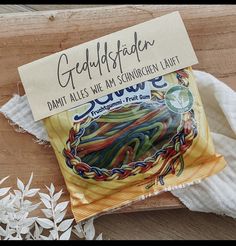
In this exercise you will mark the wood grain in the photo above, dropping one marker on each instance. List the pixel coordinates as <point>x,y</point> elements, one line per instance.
<point>212,30</point>
<point>41,7</point>
<point>174,224</point>
<point>7,8</point>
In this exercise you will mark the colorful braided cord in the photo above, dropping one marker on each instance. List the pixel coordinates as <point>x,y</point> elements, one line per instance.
<point>132,140</point>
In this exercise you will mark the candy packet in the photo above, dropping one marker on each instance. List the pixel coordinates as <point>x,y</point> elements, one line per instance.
<point>133,143</point>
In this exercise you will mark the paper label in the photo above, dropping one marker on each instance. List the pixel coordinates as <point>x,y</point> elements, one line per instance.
<point>102,66</point>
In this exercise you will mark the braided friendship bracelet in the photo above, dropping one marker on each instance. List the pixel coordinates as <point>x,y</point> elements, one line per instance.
<point>169,157</point>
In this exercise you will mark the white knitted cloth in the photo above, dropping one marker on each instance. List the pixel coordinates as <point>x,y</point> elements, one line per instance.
<point>215,194</point>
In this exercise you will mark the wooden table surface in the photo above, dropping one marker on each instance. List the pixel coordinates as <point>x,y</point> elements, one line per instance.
<point>212,30</point>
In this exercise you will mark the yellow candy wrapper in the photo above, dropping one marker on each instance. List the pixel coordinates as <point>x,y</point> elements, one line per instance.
<point>133,143</point>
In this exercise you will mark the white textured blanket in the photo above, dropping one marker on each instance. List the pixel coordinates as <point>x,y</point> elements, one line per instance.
<point>215,194</point>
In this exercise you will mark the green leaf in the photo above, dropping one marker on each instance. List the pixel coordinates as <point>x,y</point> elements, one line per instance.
<point>171,97</point>
<point>183,95</point>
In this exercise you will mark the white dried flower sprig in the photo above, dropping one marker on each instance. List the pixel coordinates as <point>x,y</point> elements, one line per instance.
<point>17,224</point>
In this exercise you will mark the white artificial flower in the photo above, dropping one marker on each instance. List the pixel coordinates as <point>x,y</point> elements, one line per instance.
<point>16,222</point>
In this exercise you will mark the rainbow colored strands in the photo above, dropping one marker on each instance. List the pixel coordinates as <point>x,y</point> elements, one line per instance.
<point>132,140</point>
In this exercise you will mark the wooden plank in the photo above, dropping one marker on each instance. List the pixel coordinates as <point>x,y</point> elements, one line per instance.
<point>171,224</point>
<point>211,29</point>
<point>41,7</point>
<point>13,8</point>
